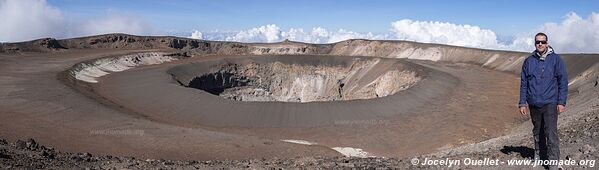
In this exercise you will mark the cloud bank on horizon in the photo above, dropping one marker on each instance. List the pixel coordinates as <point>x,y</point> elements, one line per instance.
<point>573,34</point>
<point>24,20</point>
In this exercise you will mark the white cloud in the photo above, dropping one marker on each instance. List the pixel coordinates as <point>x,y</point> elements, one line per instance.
<point>523,42</point>
<point>196,35</point>
<point>115,22</point>
<point>321,35</point>
<point>428,32</point>
<point>272,33</point>
<point>444,33</point>
<point>267,33</point>
<point>23,20</point>
<point>574,34</point>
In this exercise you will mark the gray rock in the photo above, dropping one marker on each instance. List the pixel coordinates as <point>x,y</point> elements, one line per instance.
<point>586,149</point>
<point>49,155</point>
<point>21,144</point>
<point>347,165</point>
<point>76,157</point>
<point>31,144</point>
<point>3,155</point>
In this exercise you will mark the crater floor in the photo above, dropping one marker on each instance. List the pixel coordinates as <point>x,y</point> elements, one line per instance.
<point>293,82</point>
<point>177,98</point>
<point>452,104</point>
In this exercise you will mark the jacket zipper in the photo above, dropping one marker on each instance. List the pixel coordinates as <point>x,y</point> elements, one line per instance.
<point>542,69</point>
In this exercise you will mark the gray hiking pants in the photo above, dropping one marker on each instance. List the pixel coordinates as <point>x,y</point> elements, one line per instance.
<point>544,120</point>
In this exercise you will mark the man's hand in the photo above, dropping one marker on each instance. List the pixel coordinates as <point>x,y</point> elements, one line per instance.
<point>560,108</point>
<point>523,110</point>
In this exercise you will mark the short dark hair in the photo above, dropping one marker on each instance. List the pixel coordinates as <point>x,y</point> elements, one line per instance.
<point>542,34</point>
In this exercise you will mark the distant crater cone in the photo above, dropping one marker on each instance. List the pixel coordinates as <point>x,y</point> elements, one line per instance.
<point>298,78</point>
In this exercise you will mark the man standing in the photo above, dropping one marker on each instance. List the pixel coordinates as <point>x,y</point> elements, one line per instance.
<point>544,86</point>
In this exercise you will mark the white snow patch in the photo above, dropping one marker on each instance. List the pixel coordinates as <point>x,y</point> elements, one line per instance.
<point>352,152</point>
<point>303,142</point>
<point>346,151</point>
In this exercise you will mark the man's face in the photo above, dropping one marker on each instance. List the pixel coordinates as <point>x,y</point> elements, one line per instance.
<point>541,43</point>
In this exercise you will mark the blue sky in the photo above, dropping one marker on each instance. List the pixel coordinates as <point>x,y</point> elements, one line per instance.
<point>503,16</point>
<point>572,25</point>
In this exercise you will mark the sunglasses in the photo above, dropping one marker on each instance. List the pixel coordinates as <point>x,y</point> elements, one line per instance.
<point>540,42</point>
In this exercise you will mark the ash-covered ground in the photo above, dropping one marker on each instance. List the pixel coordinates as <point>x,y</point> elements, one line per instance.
<point>123,101</point>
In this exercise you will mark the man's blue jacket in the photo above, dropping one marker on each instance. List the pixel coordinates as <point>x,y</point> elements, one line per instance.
<point>543,80</point>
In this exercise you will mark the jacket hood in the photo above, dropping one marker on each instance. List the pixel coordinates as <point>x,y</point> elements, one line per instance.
<point>544,55</point>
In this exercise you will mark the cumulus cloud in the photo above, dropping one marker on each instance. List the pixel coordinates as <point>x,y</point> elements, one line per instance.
<point>444,33</point>
<point>322,35</point>
<point>272,33</point>
<point>574,33</point>
<point>23,20</point>
<point>115,22</point>
<point>267,33</point>
<point>427,32</point>
<point>522,42</point>
<point>196,35</point>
